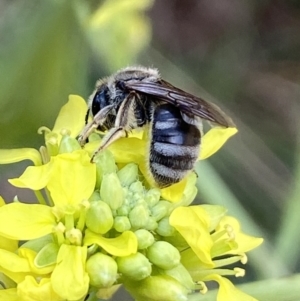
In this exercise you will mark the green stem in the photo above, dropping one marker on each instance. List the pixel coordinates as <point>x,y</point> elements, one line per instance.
<point>40,197</point>
<point>281,289</point>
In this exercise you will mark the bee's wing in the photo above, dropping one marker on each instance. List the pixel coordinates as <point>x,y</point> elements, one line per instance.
<point>187,103</point>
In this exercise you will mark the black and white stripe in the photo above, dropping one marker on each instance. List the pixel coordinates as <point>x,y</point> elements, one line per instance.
<point>174,147</point>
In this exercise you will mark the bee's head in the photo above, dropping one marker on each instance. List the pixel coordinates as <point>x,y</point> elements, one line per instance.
<point>100,99</point>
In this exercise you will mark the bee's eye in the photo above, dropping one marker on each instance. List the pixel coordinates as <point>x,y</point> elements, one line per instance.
<point>101,100</point>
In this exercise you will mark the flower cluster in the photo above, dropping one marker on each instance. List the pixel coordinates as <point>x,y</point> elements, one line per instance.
<point>99,225</point>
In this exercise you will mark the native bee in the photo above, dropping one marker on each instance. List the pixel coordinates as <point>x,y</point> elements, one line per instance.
<point>137,96</point>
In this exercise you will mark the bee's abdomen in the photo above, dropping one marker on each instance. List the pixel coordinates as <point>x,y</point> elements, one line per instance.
<point>174,147</point>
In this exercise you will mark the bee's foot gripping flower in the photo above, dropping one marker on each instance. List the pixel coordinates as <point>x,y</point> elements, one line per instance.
<point>102,225</point>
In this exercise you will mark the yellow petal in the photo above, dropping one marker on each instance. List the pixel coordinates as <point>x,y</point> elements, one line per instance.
<point>123,245</point>
<point>31,290</point>
<point>244,242</point>
<point>30,257</point>
<point>9,294</point>
<point>214,139</point>
<point>26,221</point>
<point>20,154</point>
<point>12,262</point>
<point>73,179</point>
<point>34,177</point>
<point>69,278</point>
<point>8,244</point>
<point>216,213</point>
<point>71,116</point>
<point>192,223</point>
<point>227,291</point>
<point>2,202</point>
<point>127,150</point>
<point>174,193</point>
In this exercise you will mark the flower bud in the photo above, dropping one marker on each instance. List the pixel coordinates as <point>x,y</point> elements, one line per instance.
<point>99,218</point>
<point>68,145</point>
<point>152,197</point>
<point>160,210</point>
<point>138,216</point>
<point>122,223</point>
<point>123,210</point>
<point>135,266</point>
<point>137,187</point>
<point>128,174</point>
<point>163,255</point>
<point>105,163</point>
<point>102,270</point>
<point>95,196</point>
<point>111,191</point>
<point>151,224</point>
<point>145,238</point>
<point>181,274</point>
<point>164,228</point>
<point>160,287</point>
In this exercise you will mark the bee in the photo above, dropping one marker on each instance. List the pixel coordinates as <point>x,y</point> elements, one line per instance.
<point>135,97</point>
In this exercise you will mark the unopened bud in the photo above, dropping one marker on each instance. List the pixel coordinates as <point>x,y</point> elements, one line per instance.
<point>111,191</point>
<point>145,238</point>
<point>161,209</point>
<point>105,163</point>
<point>163,255</point>
<point>137,187</point>
<point>128,174</point>
<point>181,274</point>
<point>152,197</point>
<point>164,228</point>
<point>102,270</point>
<point>123,210</point>
<point>135,266</point>
<point>138,216</point>
<point>99,218</point>
<point>122,223</point>
<point>151,224</point>
<point>68,145</point>
<point>160,287</point>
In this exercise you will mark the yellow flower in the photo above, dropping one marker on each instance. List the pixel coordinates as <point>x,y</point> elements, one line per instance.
<point>195,224</point>
<point>100,226</point>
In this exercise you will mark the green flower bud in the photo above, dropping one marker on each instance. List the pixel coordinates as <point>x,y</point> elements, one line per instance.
<point>99,218</point>
<point>152,197</point>
<point>138,216</point>
<point>135,266</point>
<point>163,255</point>
<point>47,255</point>
<point>164,228</point>
<point>151,224</point>
<point>105,164</point>
<point>68,145</point>
<point>181,274</point>
<point>145,238</point>
<point>111,191</point>
<point>122,223</point>
<point>128,174</point>
<point>157,288</point>
<point>95,196</point>
<point>102,270</point>
<point>137,187</point>
<point>123,210</point>
<point>161,209</point>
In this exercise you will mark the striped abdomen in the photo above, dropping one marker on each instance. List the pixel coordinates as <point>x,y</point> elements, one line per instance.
<point>174,147</point>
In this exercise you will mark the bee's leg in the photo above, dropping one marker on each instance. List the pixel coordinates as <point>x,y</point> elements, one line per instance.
<point>124,122</point>
<point>99,118</point>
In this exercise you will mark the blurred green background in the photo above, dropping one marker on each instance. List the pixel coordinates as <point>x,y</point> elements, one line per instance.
<point>243,55</point>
